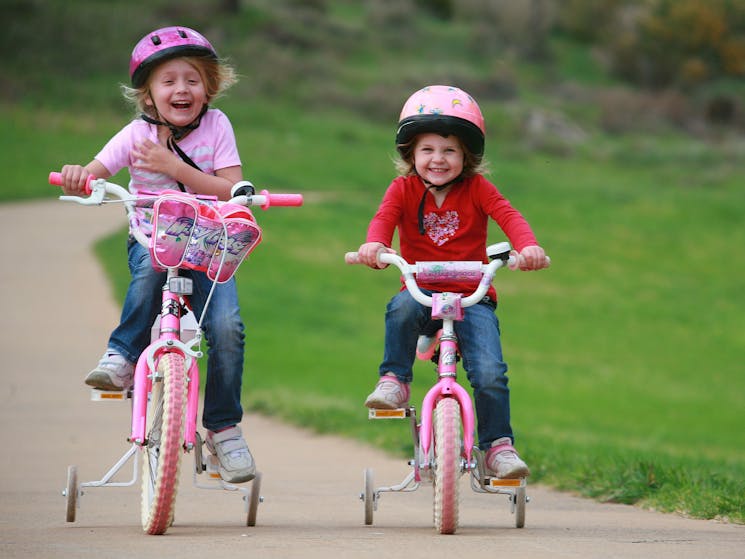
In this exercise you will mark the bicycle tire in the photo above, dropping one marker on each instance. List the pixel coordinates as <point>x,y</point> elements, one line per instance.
<point>71,493</point>
<point>447,459</point>
<point>162,453</point>
<point>520,499</point>
<point>368,497</point>
<point>254,499</point>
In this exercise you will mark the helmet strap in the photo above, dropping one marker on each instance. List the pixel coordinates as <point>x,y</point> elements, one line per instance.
<point>178,132</point>
<point>427,186</point>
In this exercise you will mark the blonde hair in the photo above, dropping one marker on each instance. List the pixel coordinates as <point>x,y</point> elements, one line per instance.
<point>472,164</point>
<point>217,76</point>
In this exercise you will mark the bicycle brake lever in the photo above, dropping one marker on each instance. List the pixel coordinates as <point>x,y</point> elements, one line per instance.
<point>95,199</point>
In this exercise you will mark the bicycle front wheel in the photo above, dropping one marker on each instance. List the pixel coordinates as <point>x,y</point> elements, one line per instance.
<point>162,453</point>
<point>447,465</point>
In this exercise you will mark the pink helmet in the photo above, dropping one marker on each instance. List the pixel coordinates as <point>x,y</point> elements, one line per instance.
<point>163,44</point>
<point>442,109</point>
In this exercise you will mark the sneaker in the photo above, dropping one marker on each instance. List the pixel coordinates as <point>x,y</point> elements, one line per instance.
<point>113,372</point>
<point>236,463</point>
<point>502,460</point>
<point>389,394</point>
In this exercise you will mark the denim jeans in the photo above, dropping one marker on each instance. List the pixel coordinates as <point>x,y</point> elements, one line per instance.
<point>223,330</point>
<point>480,346</point>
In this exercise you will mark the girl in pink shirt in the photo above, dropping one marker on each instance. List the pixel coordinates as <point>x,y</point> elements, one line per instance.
<point>441,205</point>
<point>177,142</point>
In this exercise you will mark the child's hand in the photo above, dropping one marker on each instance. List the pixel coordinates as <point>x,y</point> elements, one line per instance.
<point>368,254</point>
<point>532,258</point>
<point>150,156</point>
<point>74,178</point>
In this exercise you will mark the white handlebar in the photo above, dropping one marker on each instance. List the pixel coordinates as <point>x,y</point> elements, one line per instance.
<point>102,191</point>
<point>410,271</point>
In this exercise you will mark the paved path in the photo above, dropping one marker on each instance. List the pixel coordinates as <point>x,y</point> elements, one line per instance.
<point>58,314</point>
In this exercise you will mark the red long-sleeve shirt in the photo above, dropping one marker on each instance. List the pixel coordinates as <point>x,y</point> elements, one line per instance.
<point>455,231</point>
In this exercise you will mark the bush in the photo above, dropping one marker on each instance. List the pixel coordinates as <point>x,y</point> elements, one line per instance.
<point>681,43</point>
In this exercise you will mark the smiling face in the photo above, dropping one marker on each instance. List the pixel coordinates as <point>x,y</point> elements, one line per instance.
<point>438,160</point>
<point>177,91</point>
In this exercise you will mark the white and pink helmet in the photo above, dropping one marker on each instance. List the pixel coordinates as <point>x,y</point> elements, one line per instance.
<point>163,44</point>
<point>442,109</point>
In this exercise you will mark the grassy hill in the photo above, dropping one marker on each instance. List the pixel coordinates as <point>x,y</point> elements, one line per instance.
<point>624,356</point>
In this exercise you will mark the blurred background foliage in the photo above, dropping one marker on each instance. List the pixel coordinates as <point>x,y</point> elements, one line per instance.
<point>643,63</point>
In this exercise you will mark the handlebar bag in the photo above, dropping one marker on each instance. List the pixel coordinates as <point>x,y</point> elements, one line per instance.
<point>173,226</point>
<point>243,235</point>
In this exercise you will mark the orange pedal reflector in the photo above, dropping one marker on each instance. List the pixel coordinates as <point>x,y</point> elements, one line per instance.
<point>386,414</point>
<point>107,395</point>
<point>496,482</point>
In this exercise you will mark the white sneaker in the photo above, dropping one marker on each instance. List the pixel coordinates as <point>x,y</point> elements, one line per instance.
<point>113,372</point>
<point>236,463</point>
<point>389,394</point>
<point>502,460</point>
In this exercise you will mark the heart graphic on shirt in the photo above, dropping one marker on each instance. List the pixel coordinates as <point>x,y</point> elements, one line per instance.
<point>441,227</point>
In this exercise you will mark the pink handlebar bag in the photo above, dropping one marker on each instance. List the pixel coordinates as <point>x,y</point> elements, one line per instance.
<point>212,238</point>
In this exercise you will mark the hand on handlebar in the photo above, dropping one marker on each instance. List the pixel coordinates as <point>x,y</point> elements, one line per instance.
<point>75,180</point>
<point>531,258</point>
<point>368,254</point>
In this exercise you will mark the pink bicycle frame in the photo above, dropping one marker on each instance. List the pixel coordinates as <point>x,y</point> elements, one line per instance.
<point>169,340</point>
<point>447,387</point>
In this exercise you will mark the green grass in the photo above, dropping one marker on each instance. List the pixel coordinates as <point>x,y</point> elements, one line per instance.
<point>624,356</point>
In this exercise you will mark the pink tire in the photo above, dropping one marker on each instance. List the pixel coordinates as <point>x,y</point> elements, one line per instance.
<point>447,465</point>
<point>162,454</point>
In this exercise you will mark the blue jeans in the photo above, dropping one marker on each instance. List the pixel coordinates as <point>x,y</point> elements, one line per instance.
<point>481,349</point>
<point>223,330</point>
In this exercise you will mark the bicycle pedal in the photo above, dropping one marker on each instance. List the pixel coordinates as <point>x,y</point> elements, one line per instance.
<point>213,467</point>
<point>399,413</point>
<point>499,482</point>
<point>98,395</point>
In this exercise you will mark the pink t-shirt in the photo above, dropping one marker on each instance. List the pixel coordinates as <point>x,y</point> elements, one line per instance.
<point>211,146</point>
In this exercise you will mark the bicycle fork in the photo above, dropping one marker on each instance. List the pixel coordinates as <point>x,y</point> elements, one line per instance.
<point>147,369</point>
<point>447,387</point>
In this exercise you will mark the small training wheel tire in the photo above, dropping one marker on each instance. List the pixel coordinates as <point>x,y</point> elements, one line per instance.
<point>199,466</point>
<point>71,493</point>
<point>253,500</point>
<point>521,500</point>
<point>369,497</point>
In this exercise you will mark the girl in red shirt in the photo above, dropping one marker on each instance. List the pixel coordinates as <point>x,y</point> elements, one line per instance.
<point>441,205</point>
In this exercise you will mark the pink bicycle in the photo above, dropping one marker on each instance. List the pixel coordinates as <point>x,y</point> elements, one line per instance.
<point>443,440</point>
<point>188,232</point>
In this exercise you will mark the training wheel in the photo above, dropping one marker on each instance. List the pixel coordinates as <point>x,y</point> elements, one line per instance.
<point>253,500</point>
<point>71,493</point>
<point>199,466</point>
<point>520,499</point>
<point>368,497</point>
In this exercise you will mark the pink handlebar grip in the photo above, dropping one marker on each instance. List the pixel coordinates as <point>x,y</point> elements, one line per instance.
<point>56,179</point>
<point>281,199</point>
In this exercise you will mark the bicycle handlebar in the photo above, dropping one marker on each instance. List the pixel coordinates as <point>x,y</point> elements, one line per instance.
<point>455,270</point>
<point>264,200</point>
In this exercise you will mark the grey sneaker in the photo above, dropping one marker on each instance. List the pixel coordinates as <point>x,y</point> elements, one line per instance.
<point>502,460</point>
<point>389,394</point>
<point>113,372</point>
<point>236,463</point>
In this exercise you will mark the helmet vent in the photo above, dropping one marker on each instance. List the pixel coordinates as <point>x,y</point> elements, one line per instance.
<point>182,33</point>
<point>155,39</point>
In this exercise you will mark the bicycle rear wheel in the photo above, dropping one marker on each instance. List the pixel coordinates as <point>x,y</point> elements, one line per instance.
<point>162,453</point>
<point>447,465</point>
